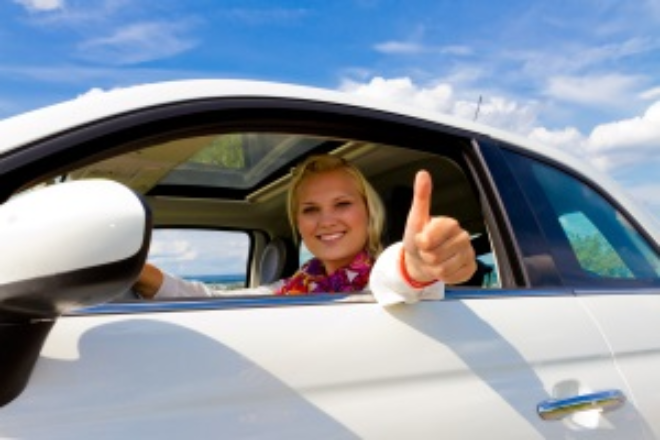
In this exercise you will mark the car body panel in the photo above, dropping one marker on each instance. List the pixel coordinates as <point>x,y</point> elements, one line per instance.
<point>630,320</point>
<point>453,368</point>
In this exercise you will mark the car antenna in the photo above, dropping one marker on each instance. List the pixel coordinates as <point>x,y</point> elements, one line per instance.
<point>476,112</point>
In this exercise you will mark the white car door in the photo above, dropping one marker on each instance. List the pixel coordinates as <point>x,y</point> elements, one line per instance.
<point>457,368</point>
<point>615,267</point>
<point>630,321</point>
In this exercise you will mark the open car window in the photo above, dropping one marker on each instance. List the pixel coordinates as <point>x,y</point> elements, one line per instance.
<point>236,181</point>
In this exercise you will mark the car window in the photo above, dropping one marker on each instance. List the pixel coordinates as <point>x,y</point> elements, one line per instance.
<point>591,241</point>
<point>216,258</point>
<point>237,180</point>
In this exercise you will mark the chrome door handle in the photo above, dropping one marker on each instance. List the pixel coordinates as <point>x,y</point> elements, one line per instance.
<point>555,409</point>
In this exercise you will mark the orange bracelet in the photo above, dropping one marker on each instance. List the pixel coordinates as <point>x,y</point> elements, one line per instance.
<point>406,276</point>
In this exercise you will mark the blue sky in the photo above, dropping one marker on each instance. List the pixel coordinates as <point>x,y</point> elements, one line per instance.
<point>580,75</point>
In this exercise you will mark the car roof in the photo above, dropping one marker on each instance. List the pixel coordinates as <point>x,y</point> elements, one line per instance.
<point>32,126</point>
<point>97,105</point>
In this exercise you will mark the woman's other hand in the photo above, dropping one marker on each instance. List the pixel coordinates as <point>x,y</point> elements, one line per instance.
<point>149,282</point>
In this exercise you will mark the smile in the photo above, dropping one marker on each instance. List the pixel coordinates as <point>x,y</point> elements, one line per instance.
<point>331,237</point>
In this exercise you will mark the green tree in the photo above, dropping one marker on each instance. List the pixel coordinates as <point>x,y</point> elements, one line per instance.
<point>596,255</point>
<point>224,151</point>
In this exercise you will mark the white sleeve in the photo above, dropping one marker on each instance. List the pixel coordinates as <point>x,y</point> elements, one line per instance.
<point>174,287</point>
<point>388,286</point>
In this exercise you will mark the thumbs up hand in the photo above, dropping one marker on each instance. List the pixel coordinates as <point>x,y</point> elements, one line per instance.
<point>435,248</point>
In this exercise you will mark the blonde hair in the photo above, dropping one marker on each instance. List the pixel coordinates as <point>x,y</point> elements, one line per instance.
<point>324,163</point>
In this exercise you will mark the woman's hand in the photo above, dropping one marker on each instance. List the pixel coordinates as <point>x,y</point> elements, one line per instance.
<point>149,282</point>
<point>436,248</point>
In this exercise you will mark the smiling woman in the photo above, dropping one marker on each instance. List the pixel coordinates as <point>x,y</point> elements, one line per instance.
<point>211,178</point>
<point>340,218</point>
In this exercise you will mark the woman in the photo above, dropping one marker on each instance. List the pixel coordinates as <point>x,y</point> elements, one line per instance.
<point>339,217</point>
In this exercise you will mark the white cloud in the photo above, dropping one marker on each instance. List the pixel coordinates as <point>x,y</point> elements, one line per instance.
<point>570,58</point>
<point>399,47</point>
<point>612,90</point>
<point>92,92</point>
<point>611,146</point>
<point>611,52</point>
<point>41,5</point>
<point>566,138</point>
<point>621,143</point>
<point>267,16</point>
<point>172,250</point>
<point>495,110</point>
<point>500,112</point>
<point>642,132</point>
<point>627,141</point>
<point>403,91</point>
<point>81,15</point>
<point>412,48</point>
<point>653,93</point>
<point>137,43</point>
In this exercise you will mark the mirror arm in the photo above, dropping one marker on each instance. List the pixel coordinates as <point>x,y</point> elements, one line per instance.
<point>21,344</point>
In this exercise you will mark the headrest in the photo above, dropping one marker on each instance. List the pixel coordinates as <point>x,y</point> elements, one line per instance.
<point>273,261</point>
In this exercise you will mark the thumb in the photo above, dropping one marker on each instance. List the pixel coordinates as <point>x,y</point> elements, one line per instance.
<point>420,210</point>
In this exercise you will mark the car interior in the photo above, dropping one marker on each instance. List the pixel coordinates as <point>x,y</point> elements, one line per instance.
<point>237,181</point>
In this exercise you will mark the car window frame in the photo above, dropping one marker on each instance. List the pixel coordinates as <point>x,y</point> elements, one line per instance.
<point>125,132</point>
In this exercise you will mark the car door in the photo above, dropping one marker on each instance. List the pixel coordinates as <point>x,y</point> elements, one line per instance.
<point>613,264</point>
<point>482,362</point>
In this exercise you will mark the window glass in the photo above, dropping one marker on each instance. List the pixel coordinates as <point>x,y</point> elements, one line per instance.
<point>592,243</point>
<point>592,249</point>
<point>216,258</point>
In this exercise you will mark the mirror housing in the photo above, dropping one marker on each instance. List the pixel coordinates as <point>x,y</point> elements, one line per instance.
<point>64,247</point>
<point>69,246</point>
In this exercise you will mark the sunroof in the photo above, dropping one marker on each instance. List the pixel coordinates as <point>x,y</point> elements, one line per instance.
<point>239,160</point>
<point>233,161</point>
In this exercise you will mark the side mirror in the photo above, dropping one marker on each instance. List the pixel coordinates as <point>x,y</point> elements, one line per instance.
<point>64,247</point>
<point>69,246</point>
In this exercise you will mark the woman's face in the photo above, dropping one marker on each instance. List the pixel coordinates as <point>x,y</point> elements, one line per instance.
<point>332,218</point>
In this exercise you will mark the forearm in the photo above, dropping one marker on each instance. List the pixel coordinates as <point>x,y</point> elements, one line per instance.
<point>389,286</point>
<point>149,282</point>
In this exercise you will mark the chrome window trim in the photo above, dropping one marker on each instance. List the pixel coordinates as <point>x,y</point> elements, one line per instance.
<point>243,302</point>
<point>268,301</point>
<point>221,303</point>
<point>618,291</point>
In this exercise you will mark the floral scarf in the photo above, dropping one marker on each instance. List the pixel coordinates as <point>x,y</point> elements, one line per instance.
<point>311,277</point>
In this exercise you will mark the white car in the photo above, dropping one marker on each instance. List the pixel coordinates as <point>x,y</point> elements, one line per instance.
<point>556,336</point>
